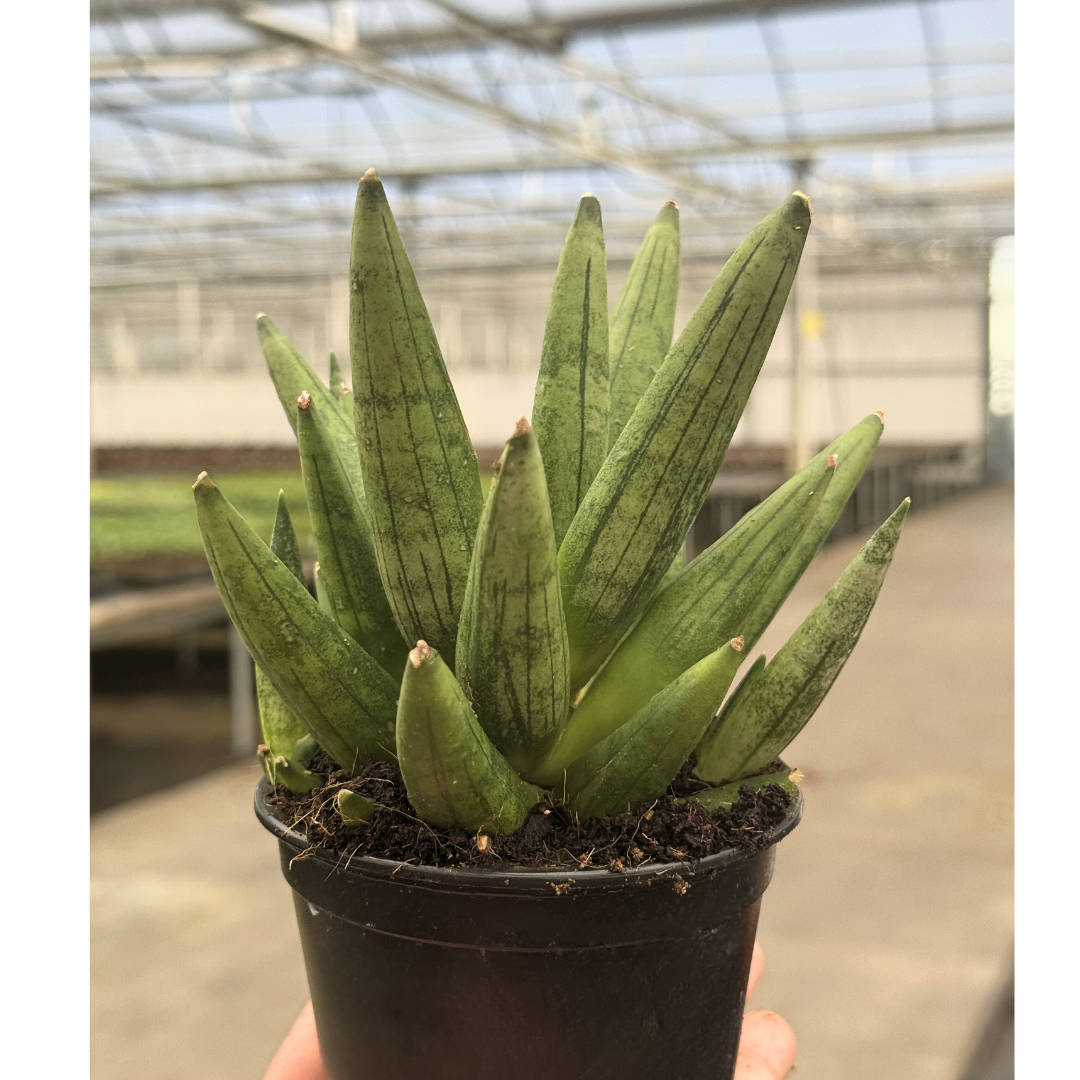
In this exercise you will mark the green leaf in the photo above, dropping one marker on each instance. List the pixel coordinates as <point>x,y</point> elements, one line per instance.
<point>852,451</point>
<point>703,607</point>
<point>641,504</point>
<point>635,764</point>
<point>454,775</point>
<point>342,392</point>
<point>290,774</point>
<point>420,472</point>
<point>284,734</point>
<point>723,798</point>
<point>570,408</point>
<point>348,567</point>
<point>512,655</point>
<point>292,376</point>
<point>337,379</point>
<point>345,699</point>
<point>354,808</point>
<point>643,321</point>
<point>756,724</point>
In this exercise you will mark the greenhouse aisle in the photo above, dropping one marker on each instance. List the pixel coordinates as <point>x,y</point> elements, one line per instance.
<point>887,927</point>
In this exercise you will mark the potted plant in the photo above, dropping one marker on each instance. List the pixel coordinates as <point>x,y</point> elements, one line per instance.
<point>522,839</point>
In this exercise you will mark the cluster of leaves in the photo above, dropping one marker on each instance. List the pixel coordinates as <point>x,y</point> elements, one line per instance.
<point>548,637</point>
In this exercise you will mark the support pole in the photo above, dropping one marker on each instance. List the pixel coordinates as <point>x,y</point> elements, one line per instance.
<point>241,696</point>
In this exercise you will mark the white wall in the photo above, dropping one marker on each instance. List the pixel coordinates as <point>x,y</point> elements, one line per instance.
<point>909,343</point>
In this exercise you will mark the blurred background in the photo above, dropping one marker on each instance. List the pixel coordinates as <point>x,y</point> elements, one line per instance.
<point>227,139</point>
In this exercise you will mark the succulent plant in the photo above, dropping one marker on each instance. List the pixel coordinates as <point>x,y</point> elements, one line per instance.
<point>550,638</point>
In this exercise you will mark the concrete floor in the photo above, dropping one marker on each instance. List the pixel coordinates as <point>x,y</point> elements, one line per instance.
<point>887,927</point>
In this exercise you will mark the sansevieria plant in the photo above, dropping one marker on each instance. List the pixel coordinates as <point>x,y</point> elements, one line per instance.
<point>549,638</point>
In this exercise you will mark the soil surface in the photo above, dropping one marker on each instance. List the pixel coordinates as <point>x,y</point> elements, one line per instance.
<point>551,838</point>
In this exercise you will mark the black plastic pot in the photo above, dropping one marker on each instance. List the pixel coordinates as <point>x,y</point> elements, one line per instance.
<point>419,973</point>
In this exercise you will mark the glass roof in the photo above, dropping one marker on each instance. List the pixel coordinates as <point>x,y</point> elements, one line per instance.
<point>227,139</point>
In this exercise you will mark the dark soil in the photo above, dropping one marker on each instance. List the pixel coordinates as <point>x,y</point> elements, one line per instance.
<point>552,837</point>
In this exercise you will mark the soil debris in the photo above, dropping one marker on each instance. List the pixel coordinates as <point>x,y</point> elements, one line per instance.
<point>551,838</point>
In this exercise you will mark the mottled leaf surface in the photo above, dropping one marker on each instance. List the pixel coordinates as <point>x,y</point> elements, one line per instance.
<point>454,776</point>
<point>703,607</point>
<point>512,656</point>
<point>643,322</point>
<point>756,724</point>
<point>637,762</point>
<point>570,407</point>
<point>348,567</point>
<point>346,700</point>
<point>419,466</point>
<point>646,495</point>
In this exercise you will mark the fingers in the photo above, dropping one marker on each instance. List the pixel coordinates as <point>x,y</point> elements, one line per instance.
<point>767,1047</point>
<point>298,1057</point>
<point>757,966</point>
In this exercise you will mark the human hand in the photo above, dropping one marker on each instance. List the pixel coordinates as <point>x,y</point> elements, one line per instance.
<point>766,1048</point>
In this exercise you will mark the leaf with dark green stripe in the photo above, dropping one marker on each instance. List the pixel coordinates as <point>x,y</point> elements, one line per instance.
<point>346,700</point>
<point>288,743</point>
<point>512,655</point>
<point>645,497</point>
<point>419,466</point>
<point>702,608</point>
<point>723,798</point>
<point>570,408</point>
<point>643,321</point>
<point>454,776</point>
<point>756,724</point>
<point>852,451</point>
<point>292,376</point>
<point>636,763</point>
<point>348,568</point>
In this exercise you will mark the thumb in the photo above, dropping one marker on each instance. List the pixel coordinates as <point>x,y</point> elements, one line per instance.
<point>767,1047</point>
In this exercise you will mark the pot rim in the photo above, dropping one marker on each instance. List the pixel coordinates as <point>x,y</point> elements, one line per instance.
<point>511,879</point>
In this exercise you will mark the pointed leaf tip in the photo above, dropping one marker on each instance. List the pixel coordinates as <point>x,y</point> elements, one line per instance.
<point>422,652</point>
<point>832,461</point>
<point>522,427</point>
<point>880,415</point>
<point>371,174</point>
<point>738,643</point>
<point>303,401</point>
<point>202,480</point>
<point>671,202</point>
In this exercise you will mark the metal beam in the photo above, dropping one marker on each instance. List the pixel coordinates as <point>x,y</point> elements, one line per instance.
<point>275,22</point>
<point>105,185</point>
<point>551,34</point>
<point>204,65</point>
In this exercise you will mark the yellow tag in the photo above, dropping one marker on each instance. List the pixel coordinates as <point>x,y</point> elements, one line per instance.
<point>812,323</point>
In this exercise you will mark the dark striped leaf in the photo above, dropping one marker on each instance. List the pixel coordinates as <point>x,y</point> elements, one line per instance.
<point>636,763</point>
<point>455,777</point>
<point>703,607</point>
<point>348,567</point>
<point>570,409</point>
<point>852,451</point>
<point>292,376</point>
<point>643,321</point>
<point>512,656</point>
<point>637,512</point>
<point>345,699</point>
<point>756,724</point>
<point>420,472</point>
